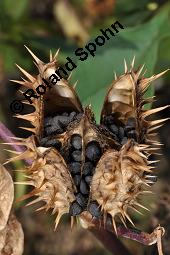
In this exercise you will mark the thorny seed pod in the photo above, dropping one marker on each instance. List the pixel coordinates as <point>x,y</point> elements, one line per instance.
<point>79,166</point>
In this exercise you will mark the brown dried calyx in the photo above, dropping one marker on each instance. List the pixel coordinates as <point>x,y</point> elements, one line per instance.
<point>81,166</point>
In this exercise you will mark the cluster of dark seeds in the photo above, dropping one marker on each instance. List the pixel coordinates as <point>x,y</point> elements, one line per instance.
<point>58,124</point>
<point>82,175</point>
<point>119,131</point>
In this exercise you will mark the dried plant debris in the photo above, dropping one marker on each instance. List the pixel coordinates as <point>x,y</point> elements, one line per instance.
<point>80,166</point>
<point>11,234</point>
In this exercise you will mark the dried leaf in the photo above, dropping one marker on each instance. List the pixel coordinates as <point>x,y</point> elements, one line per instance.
<point>12,238</point>
<point>6,196</point>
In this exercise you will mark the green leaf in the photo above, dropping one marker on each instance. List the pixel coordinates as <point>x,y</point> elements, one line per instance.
<point>15,9</point>
<point>95,74</point>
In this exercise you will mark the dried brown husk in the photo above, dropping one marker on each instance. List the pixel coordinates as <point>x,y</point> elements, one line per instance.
<point>119,175</point>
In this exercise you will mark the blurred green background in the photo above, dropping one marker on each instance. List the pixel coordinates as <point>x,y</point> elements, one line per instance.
<point>64,24</point>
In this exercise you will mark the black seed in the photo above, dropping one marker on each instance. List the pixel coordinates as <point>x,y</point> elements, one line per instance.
<point>131,122</point>
<point>88,168</point>
<point>114,129</point>
<point>88,179</point>
<point>62,121</point>
<point>132,134</point>
<point>72,115</point>
<point>54,143</point>
<point>84,188</point>
<point>43,141</point>
<point>53,130</point>
<point>94,209</point>
<point>47,121</point>
<point>76,141</point>
<point>78,116</point>
<point>65,114</point>
<point>93,151</point>
<point>76,156</point>
<point>121,133</point>
<point>77,180</point>
<point>108,120</point>
<point>82,201</point>
<point>124,140</point>
<point>75,209</point>
<point>75,167</point>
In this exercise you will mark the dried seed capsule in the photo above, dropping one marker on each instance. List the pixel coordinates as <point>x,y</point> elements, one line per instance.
<point>114,129</point>
<point>94,209</point>
<point>88,179</point>
<point>76,156</point>
<point>75,167</point>
<point>84,189</point>
<point>77,180</point>
<point>93,151</point>
<point>82,201</point>
<point>76,142</point>
<point>87,168</point>
<point>75,209</point>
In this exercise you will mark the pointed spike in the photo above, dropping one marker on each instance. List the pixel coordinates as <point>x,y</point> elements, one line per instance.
<point>142,206</point>
<point>24,183</point>
<point>133,62</point>
<point>59,215</point>
<point>157,122</point>
<point>33,202</point>
<point>127,216</point>
<point>37,60</point>
<point>56,54</point>
<point>29,76</point>
<point>115,75</point>
<point>51,56</point>
<point>146,81</point>
<point>28,129</point>
<point>153,128</point>
<point>19,82</point>
<point>69,77</point>
<point>122,219</point>
<point>140,71</point>
<point>72,222</point>
<point>41,208</point>
<point>114,225</point>
<point>15,152</point>
<point>152,111</point>
<point>75,84</point>
<point>133,208</point>
<point>125,64</point>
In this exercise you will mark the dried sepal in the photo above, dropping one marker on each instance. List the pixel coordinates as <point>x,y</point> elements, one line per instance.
<point>51,180</point>
<point>118,180</point>
<point>125,99</point>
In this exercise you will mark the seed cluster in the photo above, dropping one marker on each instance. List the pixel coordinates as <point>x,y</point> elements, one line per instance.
<point>82,172</point>
<point>120,132</point>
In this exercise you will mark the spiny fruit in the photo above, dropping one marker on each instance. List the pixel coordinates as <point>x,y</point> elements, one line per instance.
<point>80,166</point>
